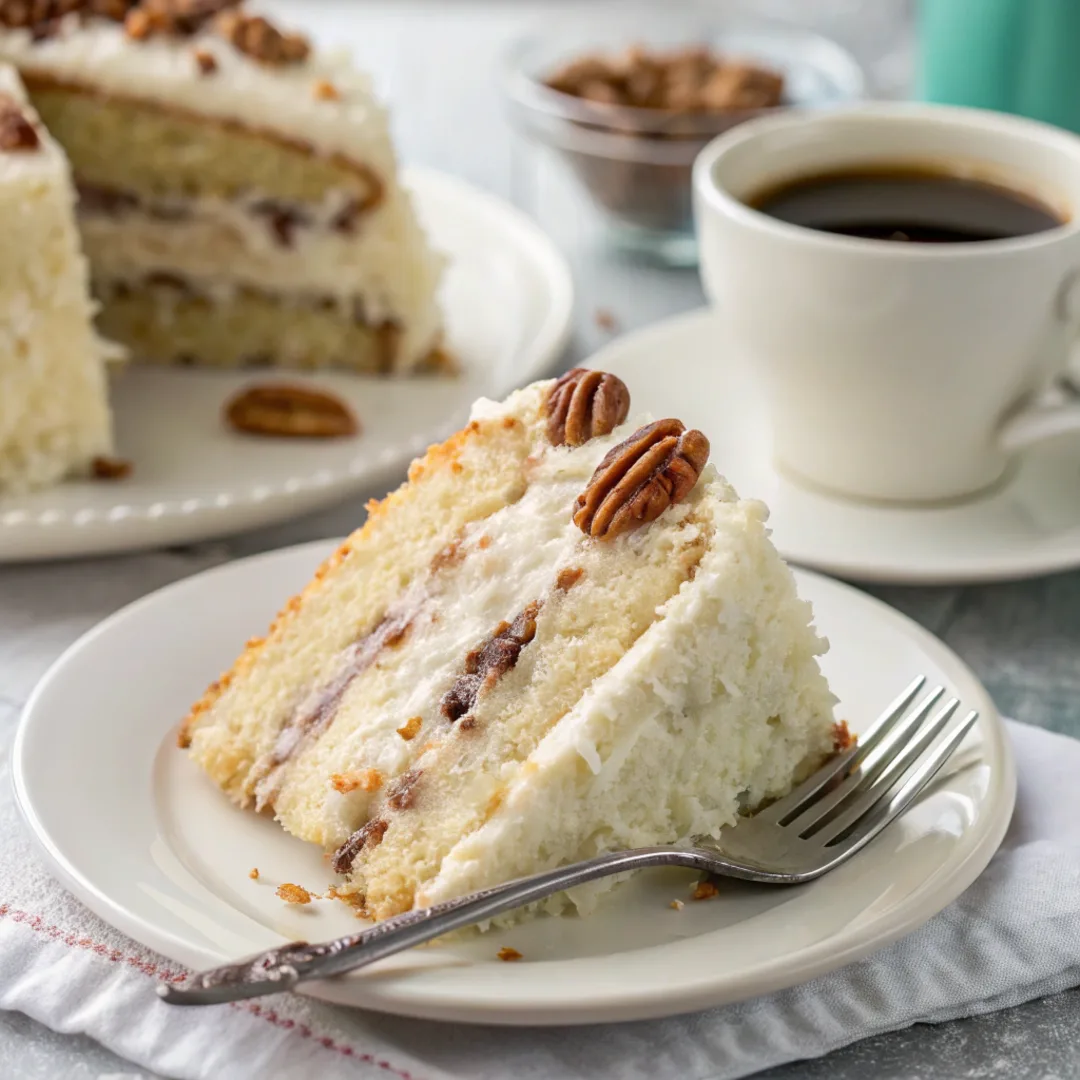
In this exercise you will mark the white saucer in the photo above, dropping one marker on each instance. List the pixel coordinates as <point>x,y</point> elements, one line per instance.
<point>1029,526</point>
<point>508,297</point>
<point>145,840</point>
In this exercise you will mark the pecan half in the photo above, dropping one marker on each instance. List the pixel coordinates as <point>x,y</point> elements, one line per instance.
<point>110,468</point>
<point>16,131</point>
<point>640,478</point>
<point>584,404</point>
<point>285,409</point>
<point>261,39</point>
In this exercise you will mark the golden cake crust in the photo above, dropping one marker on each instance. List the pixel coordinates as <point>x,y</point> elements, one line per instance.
<point>442,455</point>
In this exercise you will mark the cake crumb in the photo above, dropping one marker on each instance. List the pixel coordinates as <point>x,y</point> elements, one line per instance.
<point>206,60</point>
<point>110,468</point>
<point>294,894</point>
<point>324,90</point>
<point>606,320</point>
<point>507,954</point>
<point>484,542</point>
<point>253,873</point>
<point>676,905</point>
<point>842,737</point>
<point>411,728</point>
<point>367,780</point>
<point>705,890</point>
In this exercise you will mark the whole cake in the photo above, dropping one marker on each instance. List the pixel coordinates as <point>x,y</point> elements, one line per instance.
<point>238,195</point>
<point>54,416</point>
<point>564,635</point>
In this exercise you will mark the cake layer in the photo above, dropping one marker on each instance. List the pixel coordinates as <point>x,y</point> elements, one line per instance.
<point>166,320</point>
<point>233,731</point>
<point>526,555</point>
<point>54,417</point>
<point>270,247</point>
<point>152,149</point>
<point>581,632</point>
<point>289,99</point>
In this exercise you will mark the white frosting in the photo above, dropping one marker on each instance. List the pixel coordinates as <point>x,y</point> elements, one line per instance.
<point>387,262</point>
<point>163,69</point>
<point>53,412</point>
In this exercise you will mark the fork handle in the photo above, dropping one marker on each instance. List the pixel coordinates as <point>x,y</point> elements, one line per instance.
<point>283,968</point>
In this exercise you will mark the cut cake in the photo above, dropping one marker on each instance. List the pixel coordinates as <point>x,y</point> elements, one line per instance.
<point>564,635</point>
<point>239,196</point>
<point>54,415</point>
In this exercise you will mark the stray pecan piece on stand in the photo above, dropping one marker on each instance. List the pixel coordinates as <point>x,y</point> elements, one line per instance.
<point>291,411</point>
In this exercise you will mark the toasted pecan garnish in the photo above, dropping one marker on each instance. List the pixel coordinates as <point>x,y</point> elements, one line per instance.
<point>411,728</point>
<point>367,780</point>
<point>568,578</point>
<point>286,409</point>
<point>176,18</point>
<point>640,478</point>
<point>261,40</point>
<point>206,60</point>
<point>17,134</point>
<point>584,404</point>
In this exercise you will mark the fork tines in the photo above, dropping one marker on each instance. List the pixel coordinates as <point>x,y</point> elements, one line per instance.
<point>852,798</point>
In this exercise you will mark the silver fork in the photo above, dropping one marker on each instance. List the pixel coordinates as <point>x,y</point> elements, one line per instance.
<point>828,818</point>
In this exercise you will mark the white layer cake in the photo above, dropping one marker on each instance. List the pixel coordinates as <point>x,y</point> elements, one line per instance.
<point>240,198</point>
<point>54,416</point>
<point>555,640</point>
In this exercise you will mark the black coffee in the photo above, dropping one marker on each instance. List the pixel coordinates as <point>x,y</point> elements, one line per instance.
<point>906,203</point>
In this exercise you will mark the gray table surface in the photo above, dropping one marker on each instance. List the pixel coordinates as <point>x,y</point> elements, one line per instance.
<point>435,61</point>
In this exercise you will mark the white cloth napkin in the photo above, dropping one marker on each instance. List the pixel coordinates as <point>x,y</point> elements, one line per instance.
<point>1014,935</point>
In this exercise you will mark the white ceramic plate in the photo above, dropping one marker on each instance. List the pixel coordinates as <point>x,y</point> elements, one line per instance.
<point>1030,525</point>
<point>508,298</point>
<point>145,840</point>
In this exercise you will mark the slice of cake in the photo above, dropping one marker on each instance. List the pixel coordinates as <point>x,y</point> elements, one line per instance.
<point>564,635</point>
<point>54,416</point>
<point>239,196</point>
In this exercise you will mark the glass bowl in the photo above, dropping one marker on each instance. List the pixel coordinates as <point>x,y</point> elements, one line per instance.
<point>634,164</point>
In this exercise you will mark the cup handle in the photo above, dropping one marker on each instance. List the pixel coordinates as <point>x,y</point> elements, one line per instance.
<point>1057,412</point>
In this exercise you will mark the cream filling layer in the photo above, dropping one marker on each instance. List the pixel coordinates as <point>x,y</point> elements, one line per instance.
<point>221,247</point>
<point>506,561</point>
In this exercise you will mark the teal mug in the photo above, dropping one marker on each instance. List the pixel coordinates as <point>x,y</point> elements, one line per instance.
<point>1016,56</point>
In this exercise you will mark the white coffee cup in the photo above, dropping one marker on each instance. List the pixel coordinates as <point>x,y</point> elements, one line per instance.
<point>896,371</point>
